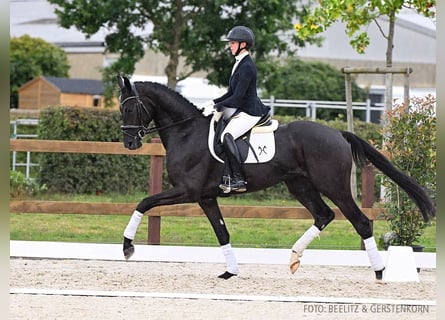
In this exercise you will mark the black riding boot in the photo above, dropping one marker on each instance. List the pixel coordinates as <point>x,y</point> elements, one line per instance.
<point>235,180</point>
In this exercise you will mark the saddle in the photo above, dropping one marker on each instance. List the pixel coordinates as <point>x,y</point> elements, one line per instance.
<point>256,146</point>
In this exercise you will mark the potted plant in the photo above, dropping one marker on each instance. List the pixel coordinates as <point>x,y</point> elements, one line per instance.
<point>406,225</point>
<point>410,142</point>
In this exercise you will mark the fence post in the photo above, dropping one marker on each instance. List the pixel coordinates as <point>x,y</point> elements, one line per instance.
<point>406,87</point>
<point>309,110</point>
<point>368,110</point>
<point>272,105</point>
<point>314,111</point>
<point>368,181</point>
<point>154,222</point>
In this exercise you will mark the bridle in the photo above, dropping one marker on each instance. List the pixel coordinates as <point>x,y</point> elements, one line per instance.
<point>142,130</point>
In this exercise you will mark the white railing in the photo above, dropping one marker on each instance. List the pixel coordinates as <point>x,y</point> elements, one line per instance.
<point>16,135</point>
<point>311,106</point>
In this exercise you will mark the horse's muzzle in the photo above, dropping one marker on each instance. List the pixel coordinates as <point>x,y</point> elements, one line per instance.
<point>132,143</point>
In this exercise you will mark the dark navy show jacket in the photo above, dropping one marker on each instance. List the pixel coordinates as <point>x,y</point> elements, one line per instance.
<point>242,92</point>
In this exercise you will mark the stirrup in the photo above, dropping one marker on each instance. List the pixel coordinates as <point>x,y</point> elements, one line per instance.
<point>227,186</point>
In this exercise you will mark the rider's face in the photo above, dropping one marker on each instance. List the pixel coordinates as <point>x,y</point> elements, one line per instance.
<point>233,45</point>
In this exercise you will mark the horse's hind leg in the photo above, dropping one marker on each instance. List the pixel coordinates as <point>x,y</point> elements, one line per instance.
<point>309,197</point>
<point>362,225</point>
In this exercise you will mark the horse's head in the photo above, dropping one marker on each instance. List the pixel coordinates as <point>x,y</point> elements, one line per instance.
<point>135,115</point>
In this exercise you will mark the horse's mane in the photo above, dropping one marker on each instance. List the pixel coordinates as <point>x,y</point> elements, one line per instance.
<point>169,90</point>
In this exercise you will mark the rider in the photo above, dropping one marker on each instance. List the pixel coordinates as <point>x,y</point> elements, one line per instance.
<point>240,106</point>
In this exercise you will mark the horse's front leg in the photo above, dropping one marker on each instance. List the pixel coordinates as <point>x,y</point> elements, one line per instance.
<point>213,213</point>
<point>172,196</point>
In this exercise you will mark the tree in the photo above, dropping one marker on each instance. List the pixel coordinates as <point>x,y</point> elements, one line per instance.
<point>358,15</point>
<point>294,78</point>
<point>32,57</point>
<point>301,80</point>
<point>187,29</point>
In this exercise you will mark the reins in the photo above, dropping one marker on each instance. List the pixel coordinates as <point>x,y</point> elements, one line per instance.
<point>143,130</point>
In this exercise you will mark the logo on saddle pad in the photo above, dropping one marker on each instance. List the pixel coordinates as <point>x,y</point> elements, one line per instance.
<point>256,146</point>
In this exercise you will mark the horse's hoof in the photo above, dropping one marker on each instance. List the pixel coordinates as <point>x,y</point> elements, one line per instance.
<point>128,248</point>
<point>226,275</point>
<point>128,252</point>
<point>379,275</point>
<point>294,267</point>
<point>295,262</point>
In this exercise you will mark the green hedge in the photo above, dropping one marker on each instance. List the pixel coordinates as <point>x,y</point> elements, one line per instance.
<point>88,173</point>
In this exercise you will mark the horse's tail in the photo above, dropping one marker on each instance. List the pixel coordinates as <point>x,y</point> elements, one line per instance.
<point>363,151</point>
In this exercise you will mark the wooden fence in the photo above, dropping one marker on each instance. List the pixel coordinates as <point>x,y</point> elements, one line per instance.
<point>157,152</point>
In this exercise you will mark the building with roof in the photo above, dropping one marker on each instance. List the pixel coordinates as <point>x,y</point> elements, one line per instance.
<point>42,91</point>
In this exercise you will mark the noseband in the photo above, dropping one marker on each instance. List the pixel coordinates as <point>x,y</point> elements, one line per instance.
<point>141,130</point>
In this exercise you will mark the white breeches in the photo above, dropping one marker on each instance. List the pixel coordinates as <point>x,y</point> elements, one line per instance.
<point>239,124</point>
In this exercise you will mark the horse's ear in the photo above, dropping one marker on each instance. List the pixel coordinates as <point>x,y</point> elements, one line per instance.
<point>124,82</point>
<point>127,84</point>
<point>120,81</point>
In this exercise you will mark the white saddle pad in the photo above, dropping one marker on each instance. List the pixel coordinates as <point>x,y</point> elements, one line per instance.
<point>262,141</point>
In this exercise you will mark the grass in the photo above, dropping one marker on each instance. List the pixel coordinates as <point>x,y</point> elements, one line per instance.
<point>273,233</point>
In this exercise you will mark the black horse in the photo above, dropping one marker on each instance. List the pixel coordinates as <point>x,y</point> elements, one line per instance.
<point>311,159</point>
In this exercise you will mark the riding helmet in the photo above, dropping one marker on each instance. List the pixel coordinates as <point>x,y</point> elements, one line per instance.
<point>241,34</point>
